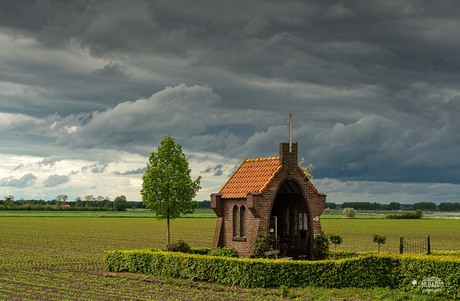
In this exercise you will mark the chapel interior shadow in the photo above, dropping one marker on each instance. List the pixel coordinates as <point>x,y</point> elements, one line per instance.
<point>290,223</point>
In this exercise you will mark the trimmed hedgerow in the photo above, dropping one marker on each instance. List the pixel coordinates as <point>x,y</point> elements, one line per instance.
<point>225,252</point>
<point>201,251</point>
<point>406,272</point>
<point>415,270</point>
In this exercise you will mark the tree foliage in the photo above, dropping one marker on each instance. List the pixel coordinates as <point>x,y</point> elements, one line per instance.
<point>362,205</point>
<point>120,203</point>
<point>425,206</point>
<point>379,239</point>
<point>349,212</point>
<point>167,187</point>
<point>393,206</point>
<point>336,240</point>
<point>449,206</point>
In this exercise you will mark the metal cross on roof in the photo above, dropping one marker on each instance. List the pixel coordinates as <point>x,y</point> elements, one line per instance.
<point>291,121</point>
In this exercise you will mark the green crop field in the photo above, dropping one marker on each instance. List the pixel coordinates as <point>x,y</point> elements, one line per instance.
<point>357,233</point>
<point>60,257</point>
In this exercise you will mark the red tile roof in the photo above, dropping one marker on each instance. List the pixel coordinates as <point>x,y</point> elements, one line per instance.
<point>253,175</point>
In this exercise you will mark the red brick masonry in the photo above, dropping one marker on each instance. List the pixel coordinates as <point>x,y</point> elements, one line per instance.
<point>253,189</point>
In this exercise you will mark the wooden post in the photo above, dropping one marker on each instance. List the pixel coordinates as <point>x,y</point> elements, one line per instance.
<point>401,245</point>
<point>428,242</point>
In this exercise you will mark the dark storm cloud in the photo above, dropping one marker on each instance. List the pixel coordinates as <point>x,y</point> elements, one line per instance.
<point>350,44</point>
<point>95,168</point>
<point>112,70</point>
<point>24,181</point>
<point>138,171</point>
<point>374,85</point>
<point>216,170</point>
<point>55,180</point>
<point>50,162</point>
<point>220,170</point>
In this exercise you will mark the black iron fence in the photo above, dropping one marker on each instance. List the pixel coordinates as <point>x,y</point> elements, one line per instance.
<point>421,247</point>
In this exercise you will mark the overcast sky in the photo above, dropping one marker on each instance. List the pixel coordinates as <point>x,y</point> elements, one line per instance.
<point>89,88</point>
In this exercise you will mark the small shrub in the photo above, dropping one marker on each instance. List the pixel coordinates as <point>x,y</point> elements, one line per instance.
<point>225,252</point>
<point>180,246</point>
<point>285,292</point>
<point>261,245</point>
<point>321,247</point>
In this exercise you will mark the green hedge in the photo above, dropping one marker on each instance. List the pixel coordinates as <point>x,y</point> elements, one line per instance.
<point>392,271</point>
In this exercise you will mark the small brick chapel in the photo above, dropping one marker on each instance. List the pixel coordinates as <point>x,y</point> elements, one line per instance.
<point>269,195</point>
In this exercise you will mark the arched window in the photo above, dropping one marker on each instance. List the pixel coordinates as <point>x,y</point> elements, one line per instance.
<point>243,221</point>
<point>236,231</point>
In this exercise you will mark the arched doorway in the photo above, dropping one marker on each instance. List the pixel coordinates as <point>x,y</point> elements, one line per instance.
<point>290,222</point>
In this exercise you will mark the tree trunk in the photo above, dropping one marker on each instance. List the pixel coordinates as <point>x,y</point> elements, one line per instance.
<point>168,235</point>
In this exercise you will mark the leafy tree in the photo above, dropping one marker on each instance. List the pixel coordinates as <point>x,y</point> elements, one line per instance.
<point>331,205</point>
<point>89,198</point>
<point>362,205</point>
<point>120,203</point>
<point>449,206</point>
<point>349,212</point>
<point>78,202</point>
<point>167,187</point>
<point>425,206</point>
<point>204,204</point>
<point>394,206</point>
<point>379,239</point>
<point>336,240</point>
<point>60,200</point>
<point>9,201</point>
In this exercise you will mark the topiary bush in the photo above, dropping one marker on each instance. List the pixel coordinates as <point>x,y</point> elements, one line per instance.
<point>225,252</point>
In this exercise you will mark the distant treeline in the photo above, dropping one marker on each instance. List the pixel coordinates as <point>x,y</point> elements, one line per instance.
<point>105,204</point>
<point>119,204</point>
<point>102,204</point>
<point>430,206</point>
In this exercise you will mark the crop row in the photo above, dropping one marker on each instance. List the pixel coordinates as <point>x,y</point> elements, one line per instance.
<point>55,258</point>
